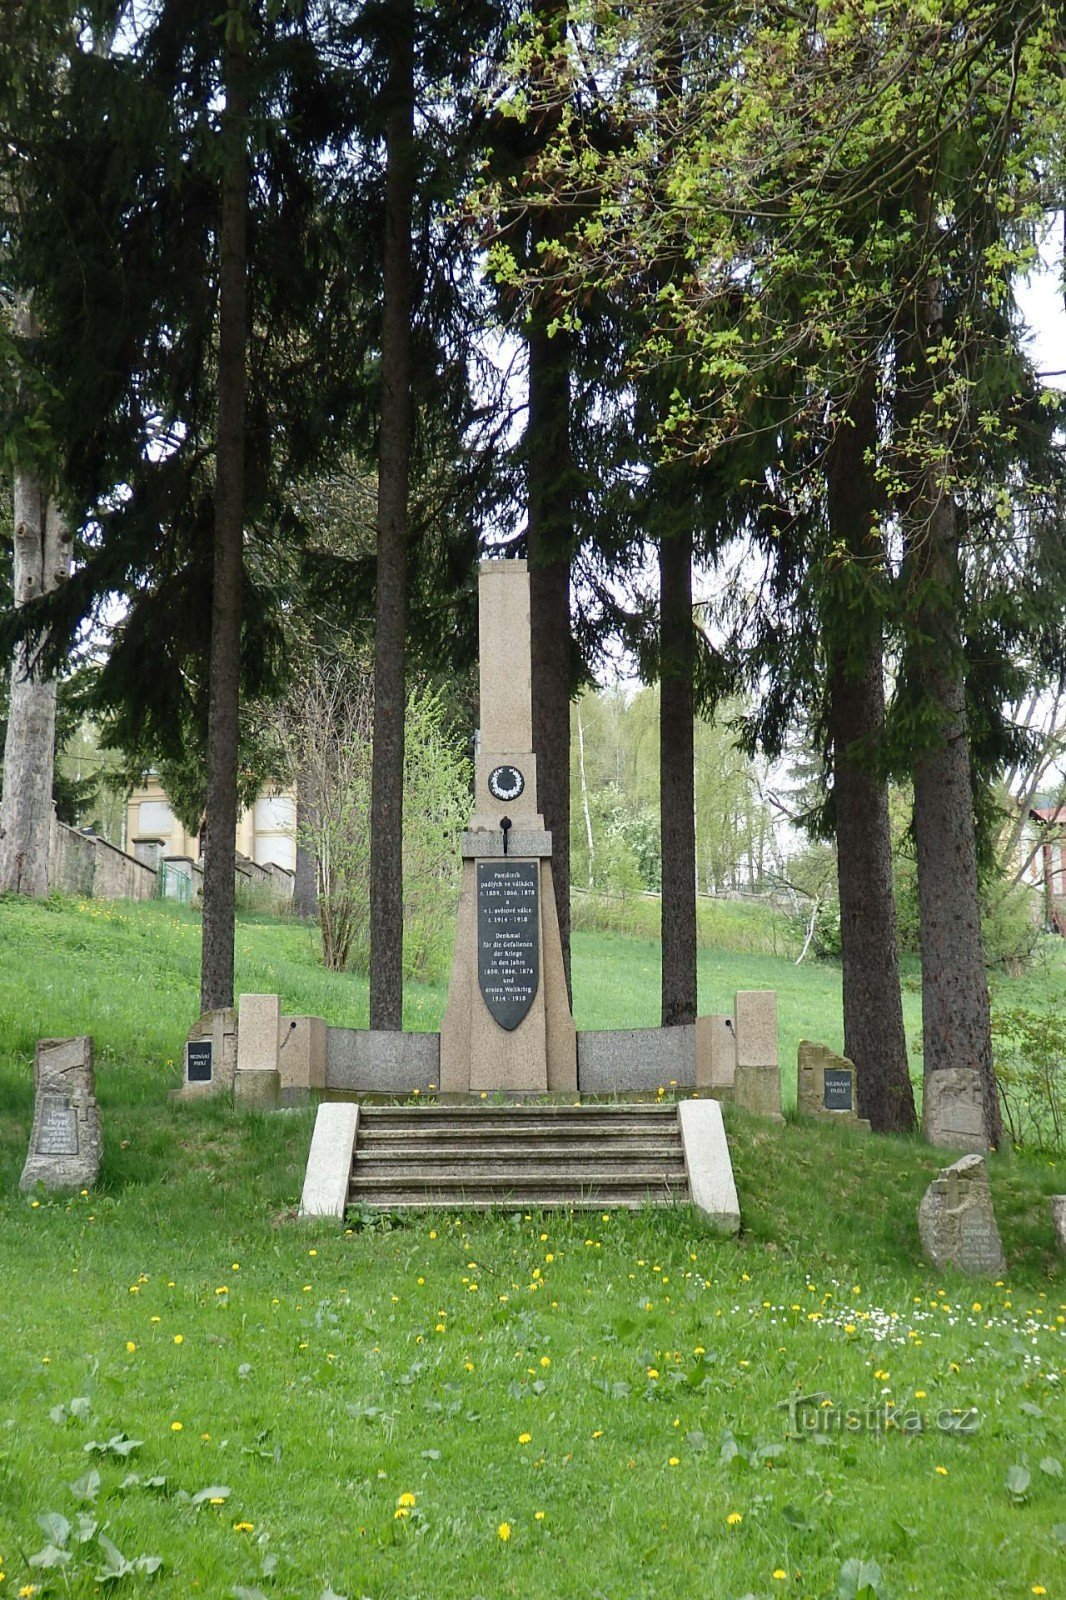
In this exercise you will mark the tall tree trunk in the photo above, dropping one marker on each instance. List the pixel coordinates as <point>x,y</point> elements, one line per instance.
<point>874,1037</point>
<point>394,468</point>
<point>677,778</point>
<point>956,1022</point>
<point>223,726</point>
<point>42,552</point>
<point>549,538</point>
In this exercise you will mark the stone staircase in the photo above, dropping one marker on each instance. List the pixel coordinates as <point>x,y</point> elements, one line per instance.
<point>546,1154</point>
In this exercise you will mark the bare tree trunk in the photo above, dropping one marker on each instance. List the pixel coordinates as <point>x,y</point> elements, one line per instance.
<point>874,1036</point>
<point>549,525</point>
<point>956,1023</point>
<point>394,467</point>
<point>42,558</point>
<point>223,726</point>
<point>677,779</point>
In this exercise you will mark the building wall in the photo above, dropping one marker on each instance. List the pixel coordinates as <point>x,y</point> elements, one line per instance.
<point>266,831</point>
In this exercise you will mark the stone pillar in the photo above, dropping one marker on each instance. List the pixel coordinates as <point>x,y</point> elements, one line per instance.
<point>257,1083</point>
<point>302,1053</point>
<point>66,1143</point>
<point>757,1086</point>
<point>716,1056</point>
<point>508,1024</point>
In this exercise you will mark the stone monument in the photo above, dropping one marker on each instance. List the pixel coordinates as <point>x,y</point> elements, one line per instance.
<point>953,1114</point>
<point>210,1055</point>
<point>508,1024</point>
<point>825,1085</point>
<point>66,1145</point>
<point>956,1223</point>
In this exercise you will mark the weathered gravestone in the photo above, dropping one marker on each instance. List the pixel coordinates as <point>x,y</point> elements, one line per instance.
<point>508,1024</point>
<point>953,1113</point>
<point>66,1144</point>
<point>257,1081</point>
<point>210,1055</point>
<point>956,1223</point>
<point>825,1085</point>
<point>1058,1217</point>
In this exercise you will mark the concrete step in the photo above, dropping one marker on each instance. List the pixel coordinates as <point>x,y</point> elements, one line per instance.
<point>498,1144</point>
<point>533,1198</point>
<point>367,1171</point>
<point>480,1110</point>
<point>524,1175</point>
<point>502,1127</point>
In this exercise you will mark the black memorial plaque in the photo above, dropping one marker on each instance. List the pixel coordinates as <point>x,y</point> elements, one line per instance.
<point>508,938</point>
<point>200,1061</point>
<point>837,1096</point>
<point>57,1127</point>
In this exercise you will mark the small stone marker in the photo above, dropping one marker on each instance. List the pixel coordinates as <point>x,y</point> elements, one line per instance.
<point>825,1085</point>
<point>956,1223</point>
<point>210,1056</point>
<point>66,1144</point>
<point>302,1054</point>
<point>1058,1217</point>
<point>757,1085</point>
<point>257,1082</point>
<point>953,1113</point>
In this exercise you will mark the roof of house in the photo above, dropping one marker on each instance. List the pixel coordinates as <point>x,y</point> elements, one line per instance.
<point>1048,814</point>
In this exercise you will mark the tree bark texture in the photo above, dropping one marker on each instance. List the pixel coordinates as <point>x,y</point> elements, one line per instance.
<point>677,779</point>
<point>956,1022</point>
<point>223,726</point>
<point>42,559</point>
<point>874,1037</point>
<point>394,468</point>
<point>549,537</point>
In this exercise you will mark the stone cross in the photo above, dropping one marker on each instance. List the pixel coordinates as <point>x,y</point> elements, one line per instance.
<point>508,1024</point>
<point>66,1144</point>
<point>956,1223</point>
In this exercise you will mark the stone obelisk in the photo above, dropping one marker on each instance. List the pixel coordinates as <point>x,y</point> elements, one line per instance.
<point>508,1024</point>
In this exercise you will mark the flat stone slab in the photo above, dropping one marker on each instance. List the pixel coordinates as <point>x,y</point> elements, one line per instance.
<point>707,1162</point>
<point>616,1061</point>
<point>953,1113</point>
<point>66,1143</point>
<point>371,1061</point>
<point>329,1164</point>
<point>956,1222</point>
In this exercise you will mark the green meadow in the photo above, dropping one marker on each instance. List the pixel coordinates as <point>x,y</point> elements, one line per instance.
<point>201,1396</point>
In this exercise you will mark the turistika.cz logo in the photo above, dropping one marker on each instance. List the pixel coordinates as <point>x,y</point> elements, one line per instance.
<point>819,1413</point>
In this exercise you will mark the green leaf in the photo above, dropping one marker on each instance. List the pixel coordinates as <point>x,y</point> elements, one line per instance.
<point>50,1557</point>
<point>214,1491</point>
<point>797,1519</point>
<point>55,1526</point>
<point>87,1487</point>
<point>1018,1480</point>
<point>1051,1467</point>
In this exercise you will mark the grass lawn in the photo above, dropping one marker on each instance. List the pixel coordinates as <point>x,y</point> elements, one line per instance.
<point>456,1406</point>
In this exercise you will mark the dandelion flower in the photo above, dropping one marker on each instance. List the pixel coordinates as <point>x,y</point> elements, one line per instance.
<point>179,1338</point>
<point>524,1438</point>
<point>130,1347</point>
<point>244,1527</point>
<point>176,1427</point>
<point>735,1518</point>
<point>675,1461</point>
<point>504,1531</point>
<point>780,1573</point>
<point>942,1472</point>
<point>406,1499</point>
